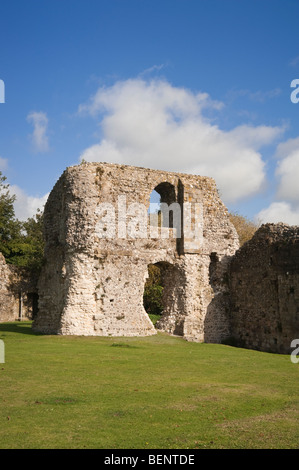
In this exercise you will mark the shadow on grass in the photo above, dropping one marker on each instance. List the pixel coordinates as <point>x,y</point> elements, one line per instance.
<point>24,328</point>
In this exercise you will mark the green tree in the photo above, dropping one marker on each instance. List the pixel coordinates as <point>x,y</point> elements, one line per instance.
<point>34,233</point>
<point>244,227</point>
<point>10,227</point>
<point>152,297</point>
<point>27,249</point>
<point>21,243</point>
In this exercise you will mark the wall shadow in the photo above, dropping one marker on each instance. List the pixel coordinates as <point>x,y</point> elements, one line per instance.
<point>24,328</point>
<point>217,324</point>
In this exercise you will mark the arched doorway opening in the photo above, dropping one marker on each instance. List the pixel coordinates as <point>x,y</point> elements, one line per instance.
<point>153,293</point>
<point>162,298</point>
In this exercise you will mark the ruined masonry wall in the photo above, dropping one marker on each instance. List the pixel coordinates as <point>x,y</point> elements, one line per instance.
<point>94,286</point>
<point>264,278</point>
<point>8,306</point>
<point>14,283</point>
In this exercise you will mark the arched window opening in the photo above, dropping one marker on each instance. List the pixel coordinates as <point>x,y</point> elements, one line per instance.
<point>154,211</point>
<point>164,206</point>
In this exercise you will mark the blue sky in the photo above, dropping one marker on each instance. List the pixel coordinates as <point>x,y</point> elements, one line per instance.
<point>199,86</point>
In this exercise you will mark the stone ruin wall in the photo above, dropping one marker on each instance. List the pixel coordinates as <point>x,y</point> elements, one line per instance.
<point>9,309</point>
<point>264,278</point>
<point>94,286</point>
<point>212,291</point>
<point>18,293</point>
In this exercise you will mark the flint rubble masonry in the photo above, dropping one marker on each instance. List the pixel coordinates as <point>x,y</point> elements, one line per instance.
<point>213,291</point>
<point>264,290</point>
<point>92,285</point>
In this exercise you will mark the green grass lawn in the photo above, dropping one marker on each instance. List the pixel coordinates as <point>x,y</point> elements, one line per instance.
<point>135,393</point>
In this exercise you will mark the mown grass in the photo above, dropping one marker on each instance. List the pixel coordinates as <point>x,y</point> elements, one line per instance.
<point>135,393</point>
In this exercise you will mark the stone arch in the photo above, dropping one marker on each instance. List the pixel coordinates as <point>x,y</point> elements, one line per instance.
<point>168,200</point>
<point>168,210</point>
<point>166,191</point>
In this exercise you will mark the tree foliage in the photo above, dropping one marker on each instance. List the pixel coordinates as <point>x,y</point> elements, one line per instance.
<point>27,248</point>
<point>152,297</point>
<point>244,227</point>
<point>21,243</point>
<point>9,226</point>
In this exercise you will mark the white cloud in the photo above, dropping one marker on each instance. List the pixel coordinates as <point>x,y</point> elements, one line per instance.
<point>279,212</point>
<point>256,96</point>
<point>154,68</point>
<point>154,124</point>
<point>3,163</point>
<point>262,96</point>
<point>295,61</point>
<point>287,147</point>
<point>26,206</point>
<point>288,172</point>
<point>39,136</point>
<point>286,207</point>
